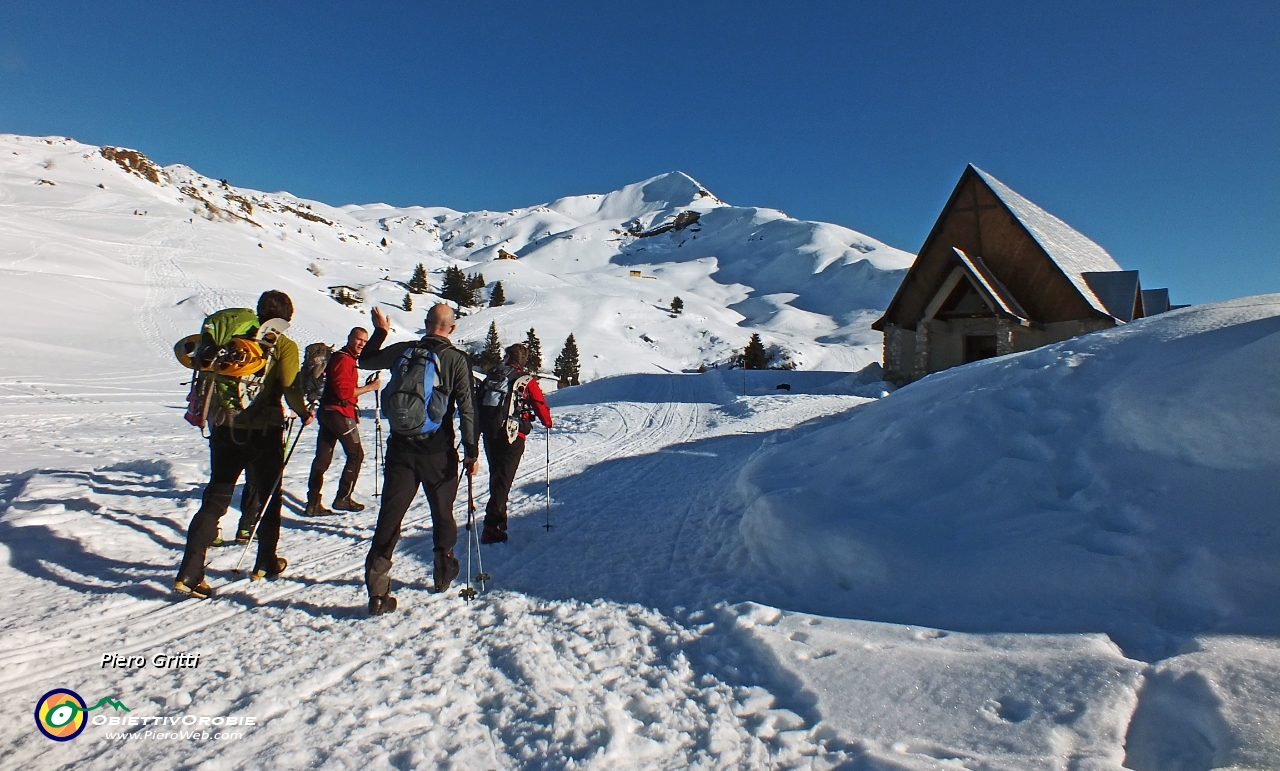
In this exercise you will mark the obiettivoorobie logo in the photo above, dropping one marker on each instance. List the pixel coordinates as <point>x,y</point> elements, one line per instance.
<point>60,713</point>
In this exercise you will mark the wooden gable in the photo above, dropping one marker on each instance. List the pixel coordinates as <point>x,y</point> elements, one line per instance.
<point>980,222</point>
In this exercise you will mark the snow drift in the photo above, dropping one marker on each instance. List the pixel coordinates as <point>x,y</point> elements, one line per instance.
<point>1122,482</point>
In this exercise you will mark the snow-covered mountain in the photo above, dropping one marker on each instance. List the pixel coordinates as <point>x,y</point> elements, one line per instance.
<point>109,215</point>
<point>1059,559</point>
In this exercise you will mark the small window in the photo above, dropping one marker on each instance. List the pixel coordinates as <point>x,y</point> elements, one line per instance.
<point>978,347</point>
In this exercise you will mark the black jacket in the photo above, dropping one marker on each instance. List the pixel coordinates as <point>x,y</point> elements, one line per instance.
<point>455,380</point>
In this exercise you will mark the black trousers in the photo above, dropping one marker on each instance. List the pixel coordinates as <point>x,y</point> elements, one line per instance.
<point>504,459</point>
<point>250,500</point>
<point>261,454</point>
<point>407,470</point>
<point>336,428</point>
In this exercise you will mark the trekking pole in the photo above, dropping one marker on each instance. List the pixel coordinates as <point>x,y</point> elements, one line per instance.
<point>481,576</point>
<point>377,447</point>
<point>548,525</point>
<point>469,593</point>
<point>275,488</point>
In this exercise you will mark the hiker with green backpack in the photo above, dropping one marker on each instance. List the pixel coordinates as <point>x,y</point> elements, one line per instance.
<point>244,366</point>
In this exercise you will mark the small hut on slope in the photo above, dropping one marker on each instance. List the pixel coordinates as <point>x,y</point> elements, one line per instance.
<point>998,275</point>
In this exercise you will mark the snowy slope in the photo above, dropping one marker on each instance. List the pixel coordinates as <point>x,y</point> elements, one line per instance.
<point>179,245</point>
<point>1062,559</point>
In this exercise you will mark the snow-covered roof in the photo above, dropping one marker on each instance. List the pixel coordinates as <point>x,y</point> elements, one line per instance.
<point>1073,253</point>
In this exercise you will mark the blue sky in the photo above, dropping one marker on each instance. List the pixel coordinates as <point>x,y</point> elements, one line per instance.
<point>1152,127</point>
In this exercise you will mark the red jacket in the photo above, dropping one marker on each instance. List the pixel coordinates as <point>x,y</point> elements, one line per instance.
<point>340,381</point>
<point>533,395</point>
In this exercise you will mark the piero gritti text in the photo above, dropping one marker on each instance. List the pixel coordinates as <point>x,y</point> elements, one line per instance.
<point>159,661</point>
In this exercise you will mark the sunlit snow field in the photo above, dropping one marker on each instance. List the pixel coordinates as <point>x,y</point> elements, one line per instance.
<point>1064,559</point>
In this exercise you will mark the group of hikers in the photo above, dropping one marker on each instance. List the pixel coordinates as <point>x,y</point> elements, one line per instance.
<point>247,435</point>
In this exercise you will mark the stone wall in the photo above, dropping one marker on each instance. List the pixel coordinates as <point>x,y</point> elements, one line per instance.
<point>899,355</point>
<point>936,345</point>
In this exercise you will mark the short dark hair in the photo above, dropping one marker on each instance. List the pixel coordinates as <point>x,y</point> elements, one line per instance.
<point>518,355</point>
<point>274,304</point>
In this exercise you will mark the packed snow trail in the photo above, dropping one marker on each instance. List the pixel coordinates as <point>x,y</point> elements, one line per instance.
<point>107,537</point>
<point>324,548</point>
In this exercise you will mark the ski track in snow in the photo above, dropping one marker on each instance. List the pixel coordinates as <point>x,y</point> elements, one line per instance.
<point>618,639</point>
<point>508,681</point>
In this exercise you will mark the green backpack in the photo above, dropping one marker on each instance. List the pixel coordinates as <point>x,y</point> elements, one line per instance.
<point>230,356</point>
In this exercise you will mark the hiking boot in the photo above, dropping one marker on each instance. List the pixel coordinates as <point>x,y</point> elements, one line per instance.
<point>260,573</point>
<point>380,605</point>
<point>243,536</point>
<point>201,591</point>
<point>316,509</point>
<point>217,541</point>
<point>492,534</point>
<point>447,569</point>
<point>347,504</point>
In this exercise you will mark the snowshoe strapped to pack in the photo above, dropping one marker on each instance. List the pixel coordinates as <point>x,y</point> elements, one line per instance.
<point>414,402</point>
<point>231,357</point>
<point>503,407</point>
<point>239,357</point>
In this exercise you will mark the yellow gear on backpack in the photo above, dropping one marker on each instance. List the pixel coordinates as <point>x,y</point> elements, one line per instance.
<point>241,359</point>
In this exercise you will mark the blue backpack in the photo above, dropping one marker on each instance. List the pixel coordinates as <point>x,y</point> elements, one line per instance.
<point>414,402</point>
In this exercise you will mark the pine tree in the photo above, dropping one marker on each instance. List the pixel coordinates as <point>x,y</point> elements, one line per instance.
<point>492,354</point>
<point>754,356</point>
<point>567,364</point>
<point>418,284</point>
<point>498,298</point>
<point>677,306</point>
<point>475,283</point>
<point>534,345</point>
<point>454,288</point>
<point>408,302</point>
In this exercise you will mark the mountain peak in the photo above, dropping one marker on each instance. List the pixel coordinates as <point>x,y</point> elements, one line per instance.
<point>676,189</point>
<point>665,192</point>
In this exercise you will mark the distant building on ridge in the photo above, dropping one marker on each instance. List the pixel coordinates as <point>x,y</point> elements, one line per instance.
<point>998,275</point>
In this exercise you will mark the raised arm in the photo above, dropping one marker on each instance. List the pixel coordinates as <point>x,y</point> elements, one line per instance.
<point>374,356</point>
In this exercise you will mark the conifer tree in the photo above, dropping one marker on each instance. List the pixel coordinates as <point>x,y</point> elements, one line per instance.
<point>408,302</point>
<point>418,284</point>
<point>475,283</point>
<point>498,298</point>
<point>754,355</point>
<point>534,345</point>
<point>491,356</point>
<point>454,288</point>
<point>677,306</point>
<point>567,364</point>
